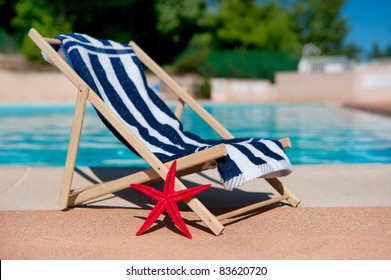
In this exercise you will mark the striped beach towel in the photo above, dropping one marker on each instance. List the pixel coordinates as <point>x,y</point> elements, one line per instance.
<point>115,73</point>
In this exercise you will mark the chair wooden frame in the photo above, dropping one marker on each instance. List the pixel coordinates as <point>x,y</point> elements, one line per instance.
<point>158,170</point>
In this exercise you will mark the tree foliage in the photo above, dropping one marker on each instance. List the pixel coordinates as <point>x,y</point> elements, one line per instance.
<point>245,24</point>
<point>177,23</point>
<point>320,22</point>
<point>168,29</point>
<point>50,20</point>
<point>377,52</point>
<point>162,27</point>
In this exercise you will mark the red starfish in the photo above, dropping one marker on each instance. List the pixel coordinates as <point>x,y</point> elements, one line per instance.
<point>167,200</point>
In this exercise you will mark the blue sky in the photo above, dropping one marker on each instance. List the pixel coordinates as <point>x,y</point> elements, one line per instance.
<point>370,22</point>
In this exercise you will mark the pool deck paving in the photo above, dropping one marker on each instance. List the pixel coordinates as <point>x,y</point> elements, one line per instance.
<point>344,214</point>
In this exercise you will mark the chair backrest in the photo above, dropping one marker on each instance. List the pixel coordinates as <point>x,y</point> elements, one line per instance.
<point>115,73</point>
<point>120,93</point>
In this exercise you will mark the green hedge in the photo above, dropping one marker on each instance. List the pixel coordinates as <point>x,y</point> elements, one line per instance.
<point>248,64</point>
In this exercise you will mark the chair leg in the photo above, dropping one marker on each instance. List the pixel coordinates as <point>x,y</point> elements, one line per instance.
<point>73,147</point>
<point>201,211</point>
<point>283,190</point>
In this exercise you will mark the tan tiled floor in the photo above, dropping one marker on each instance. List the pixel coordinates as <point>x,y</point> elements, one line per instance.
<point>344,214</point>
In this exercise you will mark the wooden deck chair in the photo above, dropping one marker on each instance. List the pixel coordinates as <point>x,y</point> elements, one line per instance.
<point>112,97</point>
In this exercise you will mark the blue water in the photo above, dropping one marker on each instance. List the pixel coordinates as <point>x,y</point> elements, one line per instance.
<point>320,134</point>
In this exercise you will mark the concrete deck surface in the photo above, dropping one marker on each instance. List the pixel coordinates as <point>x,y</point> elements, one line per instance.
<point>344,214</point>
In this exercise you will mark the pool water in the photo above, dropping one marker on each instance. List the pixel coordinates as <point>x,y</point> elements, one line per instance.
<point>38,135</point>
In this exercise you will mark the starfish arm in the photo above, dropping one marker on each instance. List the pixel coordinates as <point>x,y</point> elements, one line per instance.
<point>152,217</point>
<point>149,191</point>
<point>173,212</point>
<point>170,180</point>
<point>187,193</point>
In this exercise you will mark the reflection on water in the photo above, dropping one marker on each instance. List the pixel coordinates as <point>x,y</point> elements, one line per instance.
<point>38,135</point>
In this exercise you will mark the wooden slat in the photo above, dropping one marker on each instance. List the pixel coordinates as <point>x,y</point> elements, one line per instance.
<point>251,207</point>
<point>283,190</point>
<point>53,41</point>
<point>180,106</point>
<point>73,147</point>
<point>286,143</point>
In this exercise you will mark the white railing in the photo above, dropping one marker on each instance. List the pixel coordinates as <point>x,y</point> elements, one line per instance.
<point>328,64</point>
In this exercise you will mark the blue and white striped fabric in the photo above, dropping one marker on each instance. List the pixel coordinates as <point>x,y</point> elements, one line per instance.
<point>115,73</point>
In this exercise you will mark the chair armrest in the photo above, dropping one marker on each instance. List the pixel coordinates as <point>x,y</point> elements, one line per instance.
<point>286,142</point>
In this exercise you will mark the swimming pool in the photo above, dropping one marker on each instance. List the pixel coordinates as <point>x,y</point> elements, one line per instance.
<point>38,135</point>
